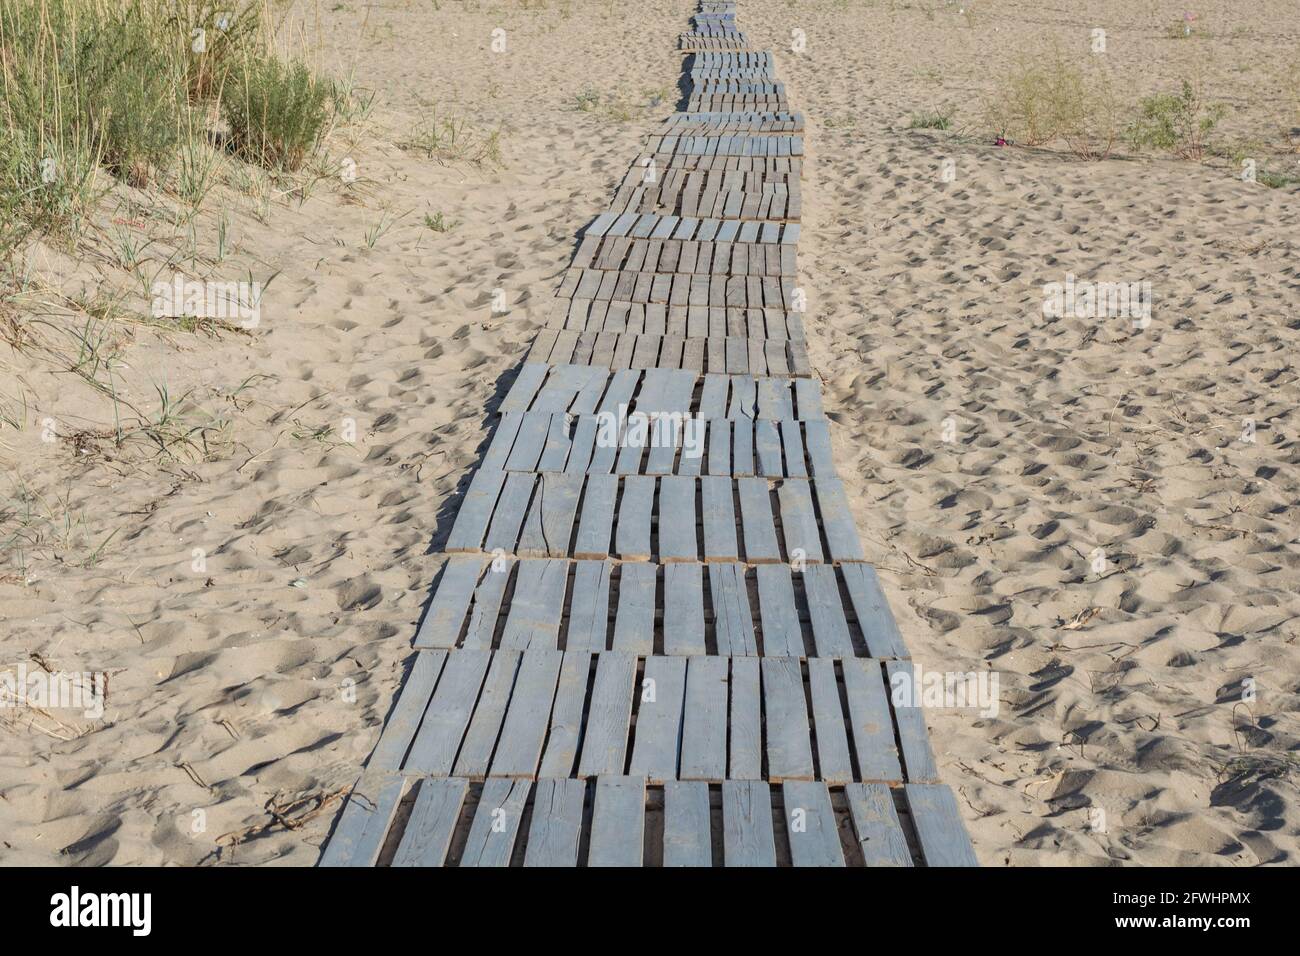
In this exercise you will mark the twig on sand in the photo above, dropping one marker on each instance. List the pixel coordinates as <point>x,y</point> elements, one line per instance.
<point>288,814</point>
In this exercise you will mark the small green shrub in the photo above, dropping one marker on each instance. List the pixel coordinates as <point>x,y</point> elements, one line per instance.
<point>1048,98</point>
<point>1178,122</point>
<point>933,120</point>
<point>277,112</point>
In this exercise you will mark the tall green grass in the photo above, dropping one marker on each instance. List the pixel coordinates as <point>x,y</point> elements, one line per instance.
<point>93,91</point>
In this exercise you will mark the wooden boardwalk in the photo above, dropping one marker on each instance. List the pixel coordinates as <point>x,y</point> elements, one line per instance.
<point>655,639</point>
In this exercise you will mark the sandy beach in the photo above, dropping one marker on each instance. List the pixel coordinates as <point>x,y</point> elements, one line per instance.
<point>1104,513</point>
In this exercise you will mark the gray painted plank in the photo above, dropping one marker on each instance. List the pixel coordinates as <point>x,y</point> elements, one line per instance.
<point>782,633</point>
<point>719,516</point>
<point>659,719</point>
<point>475,510</point>
<point>618,822</point>
<point>756,522</point>
<point>496,823</point>
<point>528,715</point>
<point>484,727</point>
<point>875,822</point>
<point>428,833</point>
<point>549,524</point>
<point>746,759</point>
<point>826,611</point>
<point>789,751</point>
<point>810,821</point>
<point>486,609</point>
<point>435,746</point>
<point>677,539</point>
<point>767,449</point>
<point>833,762</point>
<point>443,620</point>
<point>597,522</point>
<point>918,759</point>
<point>747,835</point>
<point>566,715</point>
<point>687,840</point>
<point>837,521</point>
<point>361,829</point>
<point>704,724</point>
<point>870,721</point>
<point>525,386</point>
<point>799,521</point>
<point>733,623</point>
<point>939,828</point>
<point>412,699</point>
<point>634,624</point>
<point>511,508</point>
<point>605,740</point>
<point>556,828</point>
<point>589,607</point>
<point>632,534</point>
<point>534,618</point>
<point>879,629</point>
<point>817,439</point>
<point>684,609</point>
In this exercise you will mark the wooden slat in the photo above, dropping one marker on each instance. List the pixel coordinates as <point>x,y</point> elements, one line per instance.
<point>475,511</point>
<point>789,753</point>
<point>508,518</point>
<point>810,821</point>
<point>875,822</point>
<point>677,539</point>
<point>529,713</point>
<point>534,618</point>
<point>428,833</point>
<point>757,525</point>
<point>485,726</point>
<point>596,525</point>
<point>782,633</point>
<point>435,747</point>
<point>939,829</point>
<point>618,822</point>
<point>443,620</point>
<point>359,835</point>
<point>704,725</point>
<point>684,609</point>
<point>870,721</point>
<point>833,764</point>
<point>733,623</point>
<point>719,518</point>
<point>799,522</point>
<point>687,840</point>
<point>746,737</point>
<point>589,606</point>
<point>556,828</point>
<point>747,835</point>
<point>634,624</point>
<point>605,741</point>
<point>659,719</point>
<point>634,510</point>
<point>496,823</point>
<point>566,715</point>
<point>879,629</point>
<point>405,718</point>
<point>918,759</point>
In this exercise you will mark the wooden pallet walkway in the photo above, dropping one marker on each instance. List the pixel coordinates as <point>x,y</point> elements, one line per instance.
<point>654,639</point>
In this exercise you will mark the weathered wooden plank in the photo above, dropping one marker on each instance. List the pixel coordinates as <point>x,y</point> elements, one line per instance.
<point>435,747</point>
<point>549,524</point>
<point>837,521</point>
<point>683,609</point>
<point>918,759</point>
<point>445,617</point>
<point>508,518</point>
<point>634,624</point>
<point>826,612</point>
<point>492,835</point>
<point>428,833</point>
<point>359,835</point>
<point>799,522</point>
<point>757,526</point>
<point>939,829</point>
<point>677,536</point>
<point>566,715</point>
<point>746,744</point>
<point>632,534</point>
<point>659,719</point>
<point>556,828</point>
<point>605,741</point>
<point>704,724</point>
<point>395,739</point>
<point>767,449</point>
<point>486,609</point>
<point>618,822</point>
<point>595,527</point>
<point>589,606</point>
<point>833,762</point>
<point>875,822</point>
<point>733,623</point>
<point>687,840</point>
<point>870,721</point>
<point>747,835</point>
<point>534,618</point>
<point>475,511</point>
<point>528,715</point>
<point>782,633</point>
<point>484,727</point>
<point>810,821</point>
<point>525,387</point>
<point>789,752</point>
<point>719,518</point>
<point>879,629</point>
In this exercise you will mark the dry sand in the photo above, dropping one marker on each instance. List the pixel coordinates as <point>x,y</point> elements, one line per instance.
<point>263,676</point>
